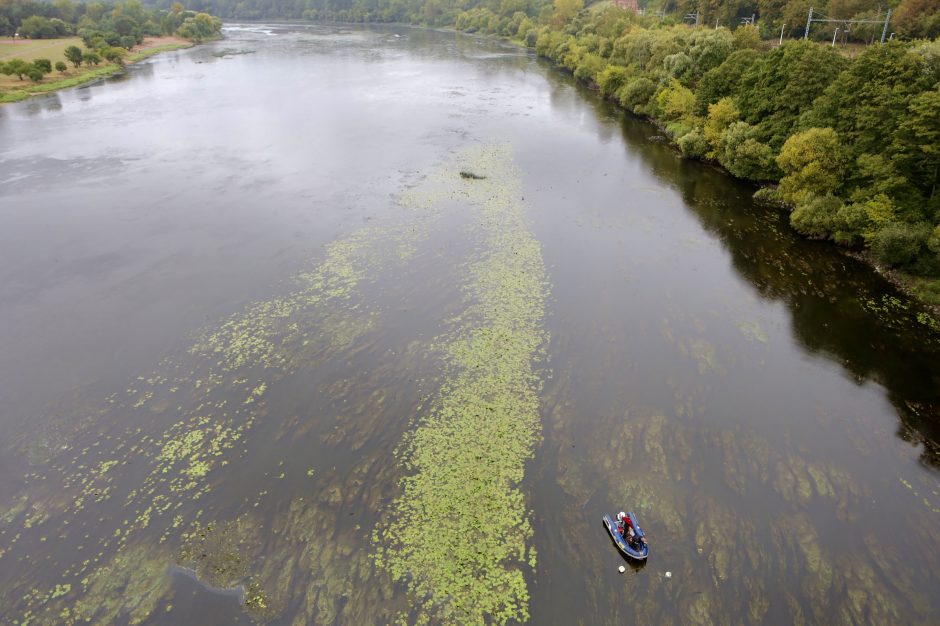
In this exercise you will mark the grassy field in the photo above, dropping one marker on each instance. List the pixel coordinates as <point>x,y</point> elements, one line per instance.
<point>12,89</point>
<point>30,49</point>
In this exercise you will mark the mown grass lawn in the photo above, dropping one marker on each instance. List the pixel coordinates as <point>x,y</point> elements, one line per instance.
<point>30,49</point>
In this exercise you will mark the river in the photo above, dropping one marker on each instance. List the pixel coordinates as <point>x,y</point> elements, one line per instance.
<point>340,325</point>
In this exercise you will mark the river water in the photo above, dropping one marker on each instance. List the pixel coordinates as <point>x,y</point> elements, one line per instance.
<point>268,356</point>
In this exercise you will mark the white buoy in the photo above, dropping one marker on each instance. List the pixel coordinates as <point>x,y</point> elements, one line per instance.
<point>668,574</point>
<point>622,569</point>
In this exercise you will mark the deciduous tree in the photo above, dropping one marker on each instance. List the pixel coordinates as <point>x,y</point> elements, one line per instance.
<point>73,55</point>
<point>813,163</point>
<point>917,18</point>
<point>16,66</point>
<point>784,83</point>
<point>565,10</point>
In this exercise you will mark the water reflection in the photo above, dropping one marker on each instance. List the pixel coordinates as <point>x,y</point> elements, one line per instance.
<point>739,417</point>
<point>143,71</point>
<point>42,104</point>
<point>825,291</point>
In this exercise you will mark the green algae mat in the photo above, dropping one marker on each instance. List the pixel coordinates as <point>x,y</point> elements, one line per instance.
<point>460,534</point>
<point>123,516</point>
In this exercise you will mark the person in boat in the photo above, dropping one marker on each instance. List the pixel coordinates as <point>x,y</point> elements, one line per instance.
<point>625,527</point>
<point>627,531</point>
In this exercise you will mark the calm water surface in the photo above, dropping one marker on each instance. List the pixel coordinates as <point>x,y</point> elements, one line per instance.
<point>227,280</point>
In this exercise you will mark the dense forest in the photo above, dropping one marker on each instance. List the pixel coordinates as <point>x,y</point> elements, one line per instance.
<point>854,143</point>
<point>107,23</point>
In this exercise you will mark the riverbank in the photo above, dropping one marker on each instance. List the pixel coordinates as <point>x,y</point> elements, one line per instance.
<point>925,290</point>
<point>673,112</point>
<point>13,90</point>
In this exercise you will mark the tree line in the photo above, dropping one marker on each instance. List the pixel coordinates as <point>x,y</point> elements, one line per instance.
<point>100,24</point>
<point>910,18</point>
<point>853,143</point>
<point>108,31</point>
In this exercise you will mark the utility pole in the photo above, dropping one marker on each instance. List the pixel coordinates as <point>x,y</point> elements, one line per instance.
<point>834,38</point>
<point>885,31</point>
<point>809,20</point>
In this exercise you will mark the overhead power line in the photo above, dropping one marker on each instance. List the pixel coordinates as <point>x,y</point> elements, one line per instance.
<point>810,19</point>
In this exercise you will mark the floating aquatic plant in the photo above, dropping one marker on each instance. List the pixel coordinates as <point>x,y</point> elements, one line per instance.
<point>196,414</point>
<point>459,533</point>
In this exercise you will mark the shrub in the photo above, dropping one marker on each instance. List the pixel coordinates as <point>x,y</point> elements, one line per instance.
<point>676,101</point>
<point>531,37</point>
<point>589,67</point>
<point>850,222</point>
<point>693,144</point>
<point>636,93</point>
<point>677,129</point>
<point>74,55</point>
<point>933,242</point>
<point>18,67</point>
<point>816,215</point>
<point>612,79</point>
<point>746,38</point>
<point>677,65</point>
<point>548,43</point>
<point>43,65</point>
<point>769,195</point>
<point>720,116</point>
<point>742,155</point>
<point>814,163</point>
<point>899,244</point>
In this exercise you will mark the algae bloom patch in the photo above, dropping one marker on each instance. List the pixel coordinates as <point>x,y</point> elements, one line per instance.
<point>459,535</point>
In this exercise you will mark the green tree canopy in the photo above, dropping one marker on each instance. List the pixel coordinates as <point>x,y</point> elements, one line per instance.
<point>779,86</point>
<point>19,67</point>
<point>73,55</point>
<point>866,103</point>
<point>813,163</point>
<point>917,147</point>
<point>565,10</point>
<point>917,18</point>
<point>723,81</point>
